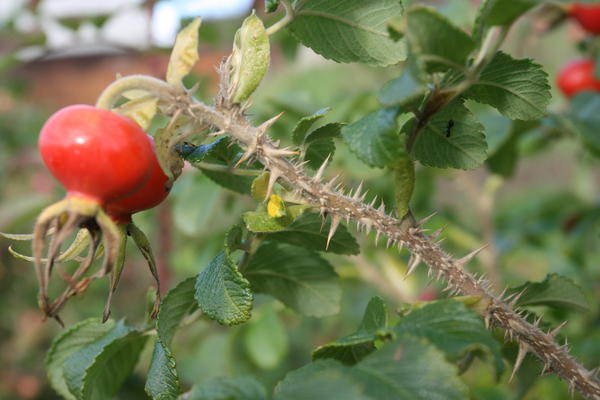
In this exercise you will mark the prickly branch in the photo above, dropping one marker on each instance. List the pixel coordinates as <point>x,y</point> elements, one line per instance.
<point>329,198</point>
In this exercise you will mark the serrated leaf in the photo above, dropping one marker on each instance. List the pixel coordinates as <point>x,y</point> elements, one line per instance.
<point>162,382</point>
<point>306,232</point>
<point>178,302</point>
<point>298,277</point>
<point>250,58</point>
<point>67,343</point>
<point>401,90</point>
<point>438,43</point>
<point>519,89</point>
<point>356,31</point>
<point>302,127</point>
<point>99,369</point>
<point>374,138</point>
<point>234,238</point>
<point>222,293</point>
<point>265,338</point>
<point>239,388</point>
<point>555,291</point>
<point>354,347</point>
<point>184,54</point>
<point>464,148</point>
<point>408,368</point>
<point>451,327</point>
<point>319,144</point>
<point>141,110</point>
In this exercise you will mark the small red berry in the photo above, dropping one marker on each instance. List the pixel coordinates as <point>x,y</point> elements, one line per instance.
<point>152,193</point>
<point>96,153</point>
<point>577,76</point>
<point>588,16</point>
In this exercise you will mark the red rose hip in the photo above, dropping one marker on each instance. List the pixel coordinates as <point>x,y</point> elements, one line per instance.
<point>577,76</point>
<point>588,16</point>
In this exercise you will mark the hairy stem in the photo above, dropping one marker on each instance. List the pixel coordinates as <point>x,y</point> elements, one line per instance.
<point>441,265</point>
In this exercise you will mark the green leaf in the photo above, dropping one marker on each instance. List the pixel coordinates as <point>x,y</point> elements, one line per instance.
<point>374,138</point>
<point>162,382</point>
<point>259,186</point>
<point>306,232</point>
<point>222,293</point>
<point>555,291</point>
<point>354,347</point>
<point>465,148</point>
<point>504,12</point>
<point>174,307</point>
<point>438,43</point>
<point>239,388</point>
<point>585,114</point>
<point>69,342</point>
<point>99,369</point>
<point>451,327</point>
<point>302,127</point>
<point>261,222</point>
<point>408,368</point>
<point>519,89</point>
<point>271,5</point>
<point>141,110</point>
<point>184,54</point>
<point>250,58</point>
<point>401,90</point>
<point>349,30</point>
<point>298,277</point>
<point>265,338</point>
<point>320,144</point>
<point>324,379</point>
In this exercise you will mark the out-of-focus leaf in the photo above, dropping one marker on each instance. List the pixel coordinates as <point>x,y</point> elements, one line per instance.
<point>184,54</point>
<point>298,277</point>
<point>265,339</point>
<point>141,110</point>
<point>239,388</point>
<point>354,347</point>
<point>451,327</point>
<point>306,232</point>
<point>401,90</point>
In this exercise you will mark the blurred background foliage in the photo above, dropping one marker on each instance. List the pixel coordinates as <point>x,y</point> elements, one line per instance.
<point>539,209</point>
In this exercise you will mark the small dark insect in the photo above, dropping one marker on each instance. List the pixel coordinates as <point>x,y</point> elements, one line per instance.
<point>449,127</point>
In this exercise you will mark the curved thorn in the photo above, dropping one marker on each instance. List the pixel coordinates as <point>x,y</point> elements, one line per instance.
<point>523,350</point>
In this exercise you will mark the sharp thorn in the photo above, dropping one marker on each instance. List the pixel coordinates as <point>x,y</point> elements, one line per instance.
<point>268,123</point>
<point>523,349</point>
<point>335,222</point>
<point>434,235</point>
<point>273,176</point>
<point>413,263</point>
<point>538,320</point>
<point>426,219</point>
<point>377,237</point>
<point>471,255</point>
<point>319,175</point>
<point>516,298</point>
<point>555,331</point>
<point>358,191</point>
<point>275,152</point>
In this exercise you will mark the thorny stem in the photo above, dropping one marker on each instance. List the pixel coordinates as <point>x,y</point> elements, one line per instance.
<point>499,311</point>
<point>285,21</point>
<point>328,199</point>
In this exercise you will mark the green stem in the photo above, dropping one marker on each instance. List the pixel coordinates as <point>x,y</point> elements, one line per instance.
<point>115,90</point>
<point>227,169</point>
<point>285,21</point>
